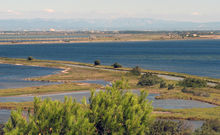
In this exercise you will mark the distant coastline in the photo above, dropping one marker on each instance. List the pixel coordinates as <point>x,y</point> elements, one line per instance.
<point>99,41</point>
<point>88,37</point>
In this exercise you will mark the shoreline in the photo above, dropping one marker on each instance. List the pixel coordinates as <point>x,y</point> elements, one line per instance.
<point>102,41</point>
<point>64,66</point>
<point>163,74</point>
<point>58,42</point>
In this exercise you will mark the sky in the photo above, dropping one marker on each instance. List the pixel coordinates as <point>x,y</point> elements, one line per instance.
<point>178,10</point>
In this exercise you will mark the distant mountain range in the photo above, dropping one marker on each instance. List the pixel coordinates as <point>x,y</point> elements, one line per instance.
<point>103,24</point>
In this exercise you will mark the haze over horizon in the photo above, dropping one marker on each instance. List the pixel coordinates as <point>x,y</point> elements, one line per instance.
<point>187,10</point>
<point>110,15</point>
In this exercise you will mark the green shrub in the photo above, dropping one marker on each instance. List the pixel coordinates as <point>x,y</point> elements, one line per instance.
<point>113,111</point>
<point>163,84</point>
<point>192,82</point>
<point>171,86</point>
<point>211,127</point>
<point>51,117</point>
<point>136,71</point>
<point>116,65</point>
<point>168,127</point>
<point>30,58</point>
<point>97,62</point>
<point>148,79</point>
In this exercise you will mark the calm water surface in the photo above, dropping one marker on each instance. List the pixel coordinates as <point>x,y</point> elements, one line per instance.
<point>197,57</point>
<point>12,76</point>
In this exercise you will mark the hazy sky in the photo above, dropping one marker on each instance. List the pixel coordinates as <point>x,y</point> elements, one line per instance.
<point>180,10</point>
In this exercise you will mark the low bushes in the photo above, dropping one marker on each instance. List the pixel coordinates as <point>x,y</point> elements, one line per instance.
<point>171,86</point>
<point>148,79</point>
<point>163,84</point>
<point>97,62</point>
<point>30,58</point>
<point>192,82</point>
<point>136,71</point>
<point>116,65</point>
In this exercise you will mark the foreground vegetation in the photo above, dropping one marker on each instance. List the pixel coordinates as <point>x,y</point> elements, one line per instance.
<point>113,111</point>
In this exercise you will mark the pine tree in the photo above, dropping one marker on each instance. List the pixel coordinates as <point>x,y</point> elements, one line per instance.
<point>116,111</point>
<point>52,117</point>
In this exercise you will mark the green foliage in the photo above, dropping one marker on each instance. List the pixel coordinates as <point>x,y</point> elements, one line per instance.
<point>171,86</point>
<point>115,111</point>
<point>116,65</point>
<point>163,84</point>
<point>167,127</point>
<point>136,71</point>
<point>30,58</point>
<point>192,82</point>
<point>211,127</point>
<point>51,117</point>
<point>97,62</point>
<point>148,79</point>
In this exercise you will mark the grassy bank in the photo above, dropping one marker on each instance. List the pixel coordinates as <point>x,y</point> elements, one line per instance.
<point>48,89</point>
<point>14,105</point>
<point>211,95</point>
<point>189,114</point>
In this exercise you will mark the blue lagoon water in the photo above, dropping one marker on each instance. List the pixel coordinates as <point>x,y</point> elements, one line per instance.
<point>196,57</point>
<point>12,76</point>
